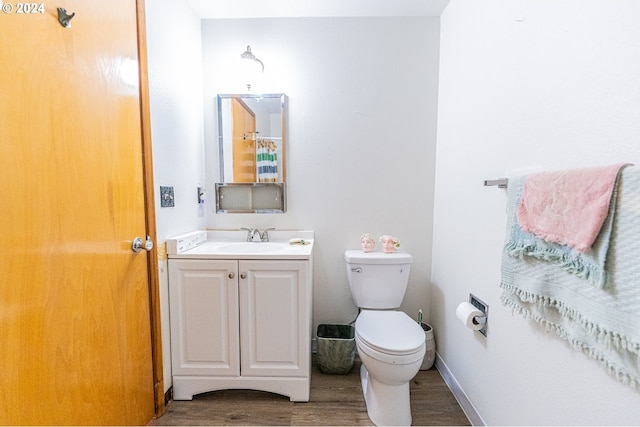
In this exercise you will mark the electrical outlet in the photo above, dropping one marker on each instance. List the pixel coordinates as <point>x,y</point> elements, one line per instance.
<point>483,307</point>
<point>166,197</point>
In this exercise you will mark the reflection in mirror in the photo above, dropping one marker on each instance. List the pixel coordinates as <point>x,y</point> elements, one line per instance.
<point>251,138</point>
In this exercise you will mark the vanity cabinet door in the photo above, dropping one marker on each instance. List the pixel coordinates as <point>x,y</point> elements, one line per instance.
<point>276,313</point>
<point>204,317</point>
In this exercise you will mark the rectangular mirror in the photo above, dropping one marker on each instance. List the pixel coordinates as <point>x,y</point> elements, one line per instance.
<point>251,138</point>
<point>251,147</point>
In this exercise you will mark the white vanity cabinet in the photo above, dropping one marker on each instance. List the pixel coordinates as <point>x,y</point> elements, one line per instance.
<point>240,323</point>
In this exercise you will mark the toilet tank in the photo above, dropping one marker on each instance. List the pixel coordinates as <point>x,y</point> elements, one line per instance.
<point>377,280</point>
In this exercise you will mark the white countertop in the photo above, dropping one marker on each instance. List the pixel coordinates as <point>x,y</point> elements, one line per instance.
<point>231,244</point>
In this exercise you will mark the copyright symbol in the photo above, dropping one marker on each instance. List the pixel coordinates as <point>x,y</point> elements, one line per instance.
<point>7,7</point>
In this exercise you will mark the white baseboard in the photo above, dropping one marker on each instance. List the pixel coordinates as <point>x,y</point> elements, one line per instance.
<point>467,407</point>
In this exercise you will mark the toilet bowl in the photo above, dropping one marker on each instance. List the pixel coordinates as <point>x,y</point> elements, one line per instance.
<point>391,347</point>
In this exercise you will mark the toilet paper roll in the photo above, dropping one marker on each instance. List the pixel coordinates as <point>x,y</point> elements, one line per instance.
<point>466,312</point>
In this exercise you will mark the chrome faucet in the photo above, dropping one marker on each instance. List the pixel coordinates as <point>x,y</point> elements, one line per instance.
<point>264,234</point>
<point>252,232</point>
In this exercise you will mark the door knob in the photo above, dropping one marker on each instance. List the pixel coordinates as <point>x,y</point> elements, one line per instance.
<point>231,275</point>
<point>243,276</point>
<point>138,244</point>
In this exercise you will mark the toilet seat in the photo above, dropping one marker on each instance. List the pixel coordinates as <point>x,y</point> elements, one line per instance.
<point>390,334</point>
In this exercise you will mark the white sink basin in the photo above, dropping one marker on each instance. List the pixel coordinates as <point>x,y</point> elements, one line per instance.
<point>250,247</point>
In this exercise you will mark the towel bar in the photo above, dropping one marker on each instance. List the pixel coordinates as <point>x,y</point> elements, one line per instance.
<point>500,183</point>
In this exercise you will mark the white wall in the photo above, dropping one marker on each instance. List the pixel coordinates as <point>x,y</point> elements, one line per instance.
<point>175,84</point>
<point>361,125</point>
<point>525,85</point>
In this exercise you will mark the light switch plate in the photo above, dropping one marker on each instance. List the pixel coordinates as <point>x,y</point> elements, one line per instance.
<point>166,197</point>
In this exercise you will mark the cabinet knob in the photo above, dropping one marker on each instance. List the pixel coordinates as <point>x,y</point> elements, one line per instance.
<point>231,275</point>
<point>243,276</point>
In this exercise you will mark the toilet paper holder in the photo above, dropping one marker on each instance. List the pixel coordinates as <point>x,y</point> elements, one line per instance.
<point>484,308</point>
<point>480,320</point>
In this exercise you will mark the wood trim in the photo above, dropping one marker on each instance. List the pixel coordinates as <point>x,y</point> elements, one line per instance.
<point>150,214</point>
<point>162,251</point>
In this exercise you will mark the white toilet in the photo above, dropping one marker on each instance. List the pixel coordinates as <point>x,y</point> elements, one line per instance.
<point>391,345</point>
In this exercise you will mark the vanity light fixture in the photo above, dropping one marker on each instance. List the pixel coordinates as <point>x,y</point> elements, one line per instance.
<point>253,67</point>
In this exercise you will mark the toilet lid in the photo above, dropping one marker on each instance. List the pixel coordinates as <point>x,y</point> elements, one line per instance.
<point>389,331</point>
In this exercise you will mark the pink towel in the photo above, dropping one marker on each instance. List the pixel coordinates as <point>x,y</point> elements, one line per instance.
<point>567,207</point>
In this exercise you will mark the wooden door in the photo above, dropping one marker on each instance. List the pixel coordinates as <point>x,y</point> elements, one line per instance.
<point>74,299</point>
<point>244,142</point>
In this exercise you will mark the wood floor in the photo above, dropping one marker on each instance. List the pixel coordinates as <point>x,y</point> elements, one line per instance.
<point>335,400</point>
